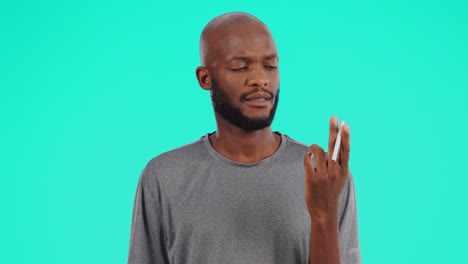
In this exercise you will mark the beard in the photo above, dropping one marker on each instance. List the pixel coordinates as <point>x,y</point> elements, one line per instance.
<point>223,106</point>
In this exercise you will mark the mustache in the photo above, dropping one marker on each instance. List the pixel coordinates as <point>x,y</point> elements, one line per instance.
<point>246,94</point>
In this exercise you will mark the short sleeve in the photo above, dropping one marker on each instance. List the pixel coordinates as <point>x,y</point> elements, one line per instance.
<point>348,227</point>
<point>147,239</point>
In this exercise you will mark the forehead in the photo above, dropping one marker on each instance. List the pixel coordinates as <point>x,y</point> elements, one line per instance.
<point>242,40</point>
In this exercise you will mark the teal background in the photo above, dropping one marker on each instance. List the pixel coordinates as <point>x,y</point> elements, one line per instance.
<point>92,90</point>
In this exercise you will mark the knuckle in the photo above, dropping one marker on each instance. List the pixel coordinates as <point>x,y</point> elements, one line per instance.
<point>320,151</point>
<point>316,147</point>
<point>313,147</point>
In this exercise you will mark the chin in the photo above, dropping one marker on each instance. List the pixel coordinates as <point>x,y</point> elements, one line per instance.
<point>251,111</point>
<point>258,116</point>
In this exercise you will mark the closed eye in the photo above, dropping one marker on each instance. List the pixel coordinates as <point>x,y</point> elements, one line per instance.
<point>271,67</point>
<point>238,69</point>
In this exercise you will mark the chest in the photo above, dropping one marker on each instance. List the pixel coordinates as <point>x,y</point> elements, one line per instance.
<point>237,207</point>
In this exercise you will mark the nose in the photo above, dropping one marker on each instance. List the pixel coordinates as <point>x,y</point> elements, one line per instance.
<point>258,77</point>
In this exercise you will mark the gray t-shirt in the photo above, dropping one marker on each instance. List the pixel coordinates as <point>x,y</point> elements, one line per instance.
<point>195,206</point>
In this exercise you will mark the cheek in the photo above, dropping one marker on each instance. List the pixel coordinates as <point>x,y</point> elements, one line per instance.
<point>227,79</point>
<point>235,80</point>
<point>274,80</point>
<point>233,85</point>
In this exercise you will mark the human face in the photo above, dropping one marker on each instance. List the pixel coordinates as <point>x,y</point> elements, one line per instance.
<point>224,107</point>
<point>245,67</point>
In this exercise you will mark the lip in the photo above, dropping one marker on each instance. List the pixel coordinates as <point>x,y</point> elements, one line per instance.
<point>258,95</point>
<point>258,102</point>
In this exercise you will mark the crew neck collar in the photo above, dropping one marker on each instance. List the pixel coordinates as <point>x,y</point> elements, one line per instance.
<point>218,156</point>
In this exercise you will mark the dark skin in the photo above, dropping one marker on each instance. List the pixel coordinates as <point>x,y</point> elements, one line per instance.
<point>241,61</point>
<point>240,53</point>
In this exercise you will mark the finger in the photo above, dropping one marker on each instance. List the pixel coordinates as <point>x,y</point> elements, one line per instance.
<point>319,155</point>
<point>333,133</point>
<point>331,143</point>
<point>345,147</point>
<point>308,166</point>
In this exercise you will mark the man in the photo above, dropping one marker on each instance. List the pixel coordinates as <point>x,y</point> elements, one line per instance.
<point>245,194</point>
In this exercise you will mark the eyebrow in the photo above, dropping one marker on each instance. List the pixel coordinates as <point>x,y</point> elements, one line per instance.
<point>269,57</point>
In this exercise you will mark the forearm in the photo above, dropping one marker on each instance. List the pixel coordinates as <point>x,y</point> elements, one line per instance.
<point>324,241</point>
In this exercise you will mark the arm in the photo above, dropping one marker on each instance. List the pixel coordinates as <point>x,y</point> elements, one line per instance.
<point>324,245</point>
<point>147,239</point>
<point>348,225</point>
<point>324,184</point>
<point>344,226</point>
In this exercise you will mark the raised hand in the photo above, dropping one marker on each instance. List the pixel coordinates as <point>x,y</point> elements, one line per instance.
<point>324,183</point>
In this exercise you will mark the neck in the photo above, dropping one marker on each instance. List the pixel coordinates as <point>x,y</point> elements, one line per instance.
<point>244,146</point>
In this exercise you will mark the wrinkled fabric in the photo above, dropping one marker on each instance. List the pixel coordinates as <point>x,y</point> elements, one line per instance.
<point>194,206</point>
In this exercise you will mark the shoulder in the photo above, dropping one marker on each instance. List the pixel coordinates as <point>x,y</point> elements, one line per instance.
<point>296,145</point>
<point>294,151</point>
<point>183,157</point>
<point>299,147</point>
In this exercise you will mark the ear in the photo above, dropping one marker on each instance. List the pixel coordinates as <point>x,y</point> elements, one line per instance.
<point>203,77</point>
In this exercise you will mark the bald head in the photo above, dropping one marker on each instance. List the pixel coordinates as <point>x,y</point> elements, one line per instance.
<point>227,26</point>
